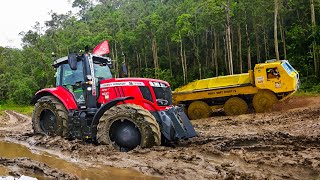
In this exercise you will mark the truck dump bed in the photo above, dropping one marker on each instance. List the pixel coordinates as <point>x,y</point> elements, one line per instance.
<point>220,82</point>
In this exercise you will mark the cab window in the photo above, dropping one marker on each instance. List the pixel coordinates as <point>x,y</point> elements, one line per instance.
<point>273,73</point>
<point>57,76</point>
<point>101,70</point>
<point>71,77</point>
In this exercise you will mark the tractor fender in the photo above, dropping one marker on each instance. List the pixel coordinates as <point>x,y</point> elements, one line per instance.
<point>59,92</point>
<point>107,106</point>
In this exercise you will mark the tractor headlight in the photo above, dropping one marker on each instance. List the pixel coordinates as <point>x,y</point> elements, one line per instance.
<point>89,77</point>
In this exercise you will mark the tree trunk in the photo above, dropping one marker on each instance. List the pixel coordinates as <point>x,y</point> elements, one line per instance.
<point>257,44</point>
<point>145,54</point>
<point>265,44</point>
<point>216,53</point>
<point>248,45</point>
<point>182,60</point>
<point>185,63</point>
<point>283,37</point>
<point>240,48</point>
<point>225,55</point>
<point>314,44</point>
<point>212,50</point>
<point>217,50</point>
<point>138,65</point>
<point>229,45</point>
<point>207,49</point>
<point>155,56</point>
<point>276,7</point>
<point>169,54</point>
<point>196,54</point>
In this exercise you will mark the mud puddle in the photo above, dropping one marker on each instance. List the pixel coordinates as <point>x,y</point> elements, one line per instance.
<point>15,159</point>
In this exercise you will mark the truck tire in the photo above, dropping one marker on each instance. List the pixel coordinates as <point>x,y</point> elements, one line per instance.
<point>264,100</point>
<point>127,126</point>
<point>235,106</point>
<point>199,110</point>
<point>50,117</point>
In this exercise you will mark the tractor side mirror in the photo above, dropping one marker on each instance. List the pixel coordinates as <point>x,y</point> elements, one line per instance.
<point>72,61</point>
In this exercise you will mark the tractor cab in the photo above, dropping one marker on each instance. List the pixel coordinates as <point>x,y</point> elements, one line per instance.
<point>75,73</point>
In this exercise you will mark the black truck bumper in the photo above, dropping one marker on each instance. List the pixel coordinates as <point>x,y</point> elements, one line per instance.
<point>174,124</point>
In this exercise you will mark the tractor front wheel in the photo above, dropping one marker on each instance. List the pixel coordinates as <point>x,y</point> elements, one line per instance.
<point>127,126</point>
<point>50,117</point>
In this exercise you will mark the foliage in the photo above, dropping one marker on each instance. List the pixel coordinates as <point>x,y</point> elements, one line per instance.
<point>310,84</point>
<point>156,37</point>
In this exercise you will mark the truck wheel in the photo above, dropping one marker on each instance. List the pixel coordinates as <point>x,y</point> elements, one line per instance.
<point>199,110</point>
<point>264,100</point>
<point>127,126</point>
<point>235,106</point>
<point>50,117</point>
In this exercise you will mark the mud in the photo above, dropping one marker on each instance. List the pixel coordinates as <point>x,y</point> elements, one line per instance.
<point>283,144</point>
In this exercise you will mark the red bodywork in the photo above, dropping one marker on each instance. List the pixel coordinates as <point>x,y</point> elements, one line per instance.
<point>111,89</point>
<point>123,87</point>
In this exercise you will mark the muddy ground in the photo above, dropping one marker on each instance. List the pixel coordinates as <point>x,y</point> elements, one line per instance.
<point>282,144</point>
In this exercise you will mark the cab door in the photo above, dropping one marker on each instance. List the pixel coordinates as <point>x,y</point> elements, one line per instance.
<point>268,76</point>
<point>72,80</point>
<point>273,74</point>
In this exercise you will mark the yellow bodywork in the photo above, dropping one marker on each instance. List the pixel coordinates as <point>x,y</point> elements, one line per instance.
<point>242,84</point>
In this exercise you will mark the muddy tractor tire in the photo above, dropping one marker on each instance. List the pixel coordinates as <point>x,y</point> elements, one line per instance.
<point>50,117</point>
<point>199,110</point>
<point>127,126</point>
<point>235,106</point>
<point>263,101</point>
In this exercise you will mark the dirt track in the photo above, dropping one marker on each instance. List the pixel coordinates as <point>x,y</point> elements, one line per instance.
<point>283,144</point>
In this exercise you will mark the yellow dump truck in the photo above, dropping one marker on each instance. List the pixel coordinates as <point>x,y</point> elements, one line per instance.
<point>262,87</point>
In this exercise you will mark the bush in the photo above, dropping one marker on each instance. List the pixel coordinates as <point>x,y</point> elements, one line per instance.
<point>310,84</point>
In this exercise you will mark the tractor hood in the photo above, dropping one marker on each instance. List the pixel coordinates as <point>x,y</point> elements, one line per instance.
<point>133,82</point>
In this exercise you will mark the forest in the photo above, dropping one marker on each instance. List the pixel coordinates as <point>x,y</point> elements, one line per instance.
<point>175,40</point>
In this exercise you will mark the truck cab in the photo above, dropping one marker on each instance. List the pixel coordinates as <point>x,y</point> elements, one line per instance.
<point>277,76</point>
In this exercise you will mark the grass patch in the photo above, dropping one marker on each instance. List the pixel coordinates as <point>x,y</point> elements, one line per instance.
<point>26,110</point>
<point>301,93</point>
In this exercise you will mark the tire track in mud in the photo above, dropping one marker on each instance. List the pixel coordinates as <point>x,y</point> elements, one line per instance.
<point>277,145</point>
<point>25,166</point>
<point>274,155</point>
<point>14,123</point>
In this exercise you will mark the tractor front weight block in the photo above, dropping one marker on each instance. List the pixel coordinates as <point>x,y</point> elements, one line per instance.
<point>174,124</point>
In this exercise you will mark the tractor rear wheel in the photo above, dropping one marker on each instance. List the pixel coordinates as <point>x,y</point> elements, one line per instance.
<point>127,126</point>
<point>199,110</point>
<point>50,117</point>
<point>264,100</point>
<point>235,106</point>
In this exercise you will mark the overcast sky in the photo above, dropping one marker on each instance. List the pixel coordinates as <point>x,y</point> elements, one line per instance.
<point>21,15</point>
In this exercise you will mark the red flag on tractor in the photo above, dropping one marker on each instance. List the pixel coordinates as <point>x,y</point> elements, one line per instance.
<point>102,48</point>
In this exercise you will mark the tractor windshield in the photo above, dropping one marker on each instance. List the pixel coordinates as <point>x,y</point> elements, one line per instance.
<point>101,70</point>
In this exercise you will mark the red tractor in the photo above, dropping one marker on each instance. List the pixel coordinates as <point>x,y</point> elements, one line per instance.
<point>88,103</point>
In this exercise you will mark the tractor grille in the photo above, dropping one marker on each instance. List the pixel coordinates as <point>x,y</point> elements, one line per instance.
<point>163,96</point>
